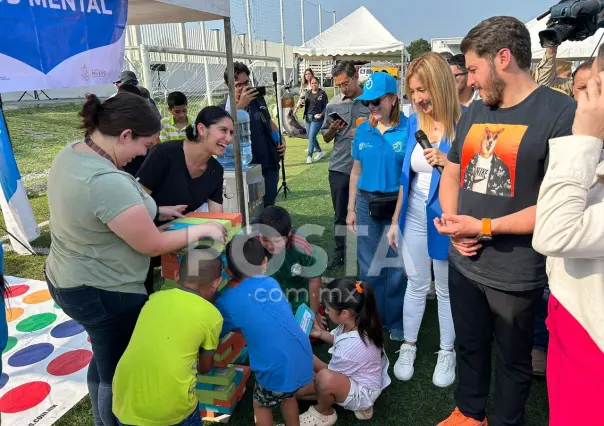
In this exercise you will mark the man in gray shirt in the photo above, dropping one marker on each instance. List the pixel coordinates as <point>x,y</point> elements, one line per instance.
<point>342,132</point>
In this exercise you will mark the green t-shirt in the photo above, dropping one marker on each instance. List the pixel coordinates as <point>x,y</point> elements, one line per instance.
<point>298,266</point>
<point>154,383</point>
<point>85,191</point>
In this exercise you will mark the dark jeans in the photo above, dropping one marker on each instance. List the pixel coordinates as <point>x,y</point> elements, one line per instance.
<point>109,318</point>
<point>155,263</point>
<point>194,419</point>
<point>271,184</point>
<point>481,313</point>
<point>540,332</point>
<point>380,266</point>
<point>312,129</point>
<point>339,183</point>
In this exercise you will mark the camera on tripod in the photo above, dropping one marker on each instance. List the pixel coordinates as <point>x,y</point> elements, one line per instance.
<point>573,20</point>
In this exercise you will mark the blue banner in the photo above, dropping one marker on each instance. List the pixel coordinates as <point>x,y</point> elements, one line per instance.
<point>49,44</point>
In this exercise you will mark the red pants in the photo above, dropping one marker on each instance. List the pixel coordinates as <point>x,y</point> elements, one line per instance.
<point>575,378</point>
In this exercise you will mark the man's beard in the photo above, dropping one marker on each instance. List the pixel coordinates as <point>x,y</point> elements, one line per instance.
<point>494,94</point>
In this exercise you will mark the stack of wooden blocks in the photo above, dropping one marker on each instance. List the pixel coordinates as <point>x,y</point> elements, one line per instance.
<point>220,390</point>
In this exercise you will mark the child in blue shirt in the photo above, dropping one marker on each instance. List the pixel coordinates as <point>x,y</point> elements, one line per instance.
<point>280,353</point>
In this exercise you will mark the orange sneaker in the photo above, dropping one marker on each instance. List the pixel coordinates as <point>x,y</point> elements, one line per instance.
<point>458,419</point>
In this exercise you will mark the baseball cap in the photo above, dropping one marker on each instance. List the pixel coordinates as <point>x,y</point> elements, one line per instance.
<point>128,77</point>
<point>377,85</point>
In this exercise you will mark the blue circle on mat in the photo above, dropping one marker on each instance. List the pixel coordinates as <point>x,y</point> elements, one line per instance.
<point>3,380</point>
<point>66,329</point>
<point>31,354</point>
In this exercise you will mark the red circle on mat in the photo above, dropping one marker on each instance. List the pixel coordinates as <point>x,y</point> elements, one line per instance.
<point>17,290</point>
<point>69,362</point>
<point>24,397</point>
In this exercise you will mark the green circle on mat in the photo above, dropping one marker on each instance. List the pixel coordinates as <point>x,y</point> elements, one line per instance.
<point>57,306</point>
<point>10,343</point>
<point>36,322</point>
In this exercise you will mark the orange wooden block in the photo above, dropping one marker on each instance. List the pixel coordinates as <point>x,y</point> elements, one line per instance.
<point>169,258</point>
<point>238,394</point>
<point>169,270</point>
<point>235,218</point>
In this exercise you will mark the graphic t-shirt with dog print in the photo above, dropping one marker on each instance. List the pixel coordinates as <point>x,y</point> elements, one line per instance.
<point>502,153</point>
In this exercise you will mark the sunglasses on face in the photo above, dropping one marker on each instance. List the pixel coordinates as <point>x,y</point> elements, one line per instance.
<point>375,102</point>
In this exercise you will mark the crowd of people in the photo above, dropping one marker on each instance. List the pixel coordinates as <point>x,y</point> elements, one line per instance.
<point>501,208</point>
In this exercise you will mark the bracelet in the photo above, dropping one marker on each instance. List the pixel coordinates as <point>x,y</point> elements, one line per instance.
<point>276,136</point>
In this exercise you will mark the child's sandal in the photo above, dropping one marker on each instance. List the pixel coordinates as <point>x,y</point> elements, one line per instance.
<point>364,414</point>
<point>313,418</point>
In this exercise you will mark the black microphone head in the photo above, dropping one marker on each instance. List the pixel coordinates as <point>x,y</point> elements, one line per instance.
<point>422,139</point>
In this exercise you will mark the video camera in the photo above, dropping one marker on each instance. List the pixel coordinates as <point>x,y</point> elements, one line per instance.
<point>573,20</point>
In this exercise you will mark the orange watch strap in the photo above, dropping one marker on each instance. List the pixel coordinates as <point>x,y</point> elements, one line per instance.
<point>486,226</point>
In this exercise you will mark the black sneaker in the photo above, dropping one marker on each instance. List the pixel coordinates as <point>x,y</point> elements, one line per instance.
<point>336,261</point>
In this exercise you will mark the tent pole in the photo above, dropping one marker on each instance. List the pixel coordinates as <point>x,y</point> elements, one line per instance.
<point>228,41</point>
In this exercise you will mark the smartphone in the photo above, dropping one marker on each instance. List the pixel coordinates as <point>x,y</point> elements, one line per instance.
<point>261,90</point>
<point>335,116</point>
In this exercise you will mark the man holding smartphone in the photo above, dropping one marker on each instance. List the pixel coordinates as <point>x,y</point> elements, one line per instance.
<point>347,111</point>
<point>268,145</point>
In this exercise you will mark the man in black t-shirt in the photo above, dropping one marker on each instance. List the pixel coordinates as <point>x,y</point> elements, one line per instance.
<point>488,193</point>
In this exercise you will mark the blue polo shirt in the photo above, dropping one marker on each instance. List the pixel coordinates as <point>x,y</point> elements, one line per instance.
<point>381,156</point>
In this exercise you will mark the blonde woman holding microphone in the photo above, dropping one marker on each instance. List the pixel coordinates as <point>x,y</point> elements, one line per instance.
<point>431,86</point>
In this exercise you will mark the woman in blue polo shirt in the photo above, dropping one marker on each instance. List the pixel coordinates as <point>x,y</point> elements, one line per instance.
<point>378,150</point>
<point>431,86</point>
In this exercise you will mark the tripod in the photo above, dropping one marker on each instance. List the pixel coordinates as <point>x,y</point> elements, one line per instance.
<point>283,178</point>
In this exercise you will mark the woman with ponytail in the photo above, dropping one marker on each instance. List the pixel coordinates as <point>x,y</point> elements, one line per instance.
<point>185,173</point>
<point>102,231</point>
<point>358,371</point>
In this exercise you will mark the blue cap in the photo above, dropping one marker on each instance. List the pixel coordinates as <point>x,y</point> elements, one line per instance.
<point>377,85</point>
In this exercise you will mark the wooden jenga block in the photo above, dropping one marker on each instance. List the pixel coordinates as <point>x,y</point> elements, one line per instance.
<point>235,218</point>
<point>169,270</point>
<point>218,376</point>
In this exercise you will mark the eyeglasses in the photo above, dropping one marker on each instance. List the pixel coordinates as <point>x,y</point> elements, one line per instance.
<point>374,102</point>
<point>242,85</point>
<point>343,85</point>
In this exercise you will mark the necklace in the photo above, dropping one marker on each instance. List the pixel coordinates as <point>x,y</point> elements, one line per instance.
<point>98,149</point>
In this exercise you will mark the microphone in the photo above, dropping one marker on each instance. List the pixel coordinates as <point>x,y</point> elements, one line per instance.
<point>423,141</point>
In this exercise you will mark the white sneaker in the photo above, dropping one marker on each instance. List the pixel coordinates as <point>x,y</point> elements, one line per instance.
<point>444,373</point>
<point>403,368</point>
<point>308,160</point>
<point>319,155</point>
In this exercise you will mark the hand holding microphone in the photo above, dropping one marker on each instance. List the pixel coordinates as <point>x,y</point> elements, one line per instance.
<point>423,141</point>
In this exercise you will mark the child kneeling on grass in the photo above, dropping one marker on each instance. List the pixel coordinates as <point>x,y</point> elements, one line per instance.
<point>175,337</point>
<point>358,371</point>
<point>280,353</point>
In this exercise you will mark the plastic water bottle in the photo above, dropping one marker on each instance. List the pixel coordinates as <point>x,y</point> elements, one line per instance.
<point>245,143</point>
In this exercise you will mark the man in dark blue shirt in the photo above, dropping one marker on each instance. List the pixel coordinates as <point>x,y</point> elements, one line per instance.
<point>268,145</point>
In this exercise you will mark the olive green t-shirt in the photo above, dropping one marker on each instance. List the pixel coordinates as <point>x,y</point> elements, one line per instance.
<point>86,191</point>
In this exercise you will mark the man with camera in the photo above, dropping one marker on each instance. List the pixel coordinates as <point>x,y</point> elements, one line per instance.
<point>488,193</point>
<point>268,145</point>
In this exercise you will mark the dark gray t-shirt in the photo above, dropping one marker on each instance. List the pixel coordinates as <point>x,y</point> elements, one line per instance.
<point>349,110</point>
<point>503,157</point>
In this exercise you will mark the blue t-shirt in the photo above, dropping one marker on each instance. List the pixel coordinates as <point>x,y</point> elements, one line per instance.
<point>381,156</point>
<point>280,353</point>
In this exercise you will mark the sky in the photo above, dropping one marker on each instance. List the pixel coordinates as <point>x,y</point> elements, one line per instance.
<point>406,20</point>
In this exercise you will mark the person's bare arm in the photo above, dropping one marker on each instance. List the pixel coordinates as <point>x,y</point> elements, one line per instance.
<point>214,207</point>
<point>135,227</point>
<point>314,287</point>
<point>449,188</point>
<point>519,223</point>
<point>333,129</point>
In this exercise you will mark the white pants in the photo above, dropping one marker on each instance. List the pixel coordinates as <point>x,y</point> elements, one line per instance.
<point>418,266</point>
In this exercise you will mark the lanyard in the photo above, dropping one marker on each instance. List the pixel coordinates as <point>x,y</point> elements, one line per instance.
<point>98,149</point>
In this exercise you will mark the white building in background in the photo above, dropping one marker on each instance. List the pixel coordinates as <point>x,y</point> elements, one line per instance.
<point>451,45</point>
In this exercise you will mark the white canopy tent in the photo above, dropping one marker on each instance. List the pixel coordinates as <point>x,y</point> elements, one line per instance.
<point>358,36</point>
<point>569,50</point>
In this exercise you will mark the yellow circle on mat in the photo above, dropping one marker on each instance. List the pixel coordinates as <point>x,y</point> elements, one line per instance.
<point>13,314</point>
<point>37,297</point>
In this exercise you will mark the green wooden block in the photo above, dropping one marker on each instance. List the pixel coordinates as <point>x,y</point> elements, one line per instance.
<point>223,356</point>
<point>198,221</point>
<point>221,393</point>
<point>218,376</point>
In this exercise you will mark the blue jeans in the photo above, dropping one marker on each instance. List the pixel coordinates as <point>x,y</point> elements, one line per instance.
<point>271,185</point>
<point>540,332</point>
<point>381,267</point>
<point>109,318</point>
<point>193,420</point>
<point>312,129</point>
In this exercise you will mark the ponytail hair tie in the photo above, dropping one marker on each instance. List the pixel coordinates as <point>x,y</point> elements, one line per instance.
<point>359,286</point>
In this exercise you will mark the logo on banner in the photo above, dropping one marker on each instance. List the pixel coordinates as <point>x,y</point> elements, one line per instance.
<point>45,33</point>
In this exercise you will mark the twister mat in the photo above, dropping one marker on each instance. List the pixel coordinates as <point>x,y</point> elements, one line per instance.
<point>45,361</point>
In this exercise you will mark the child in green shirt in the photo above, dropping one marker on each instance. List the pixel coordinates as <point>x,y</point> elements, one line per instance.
<point>175,337</point>
<point>174,127</point>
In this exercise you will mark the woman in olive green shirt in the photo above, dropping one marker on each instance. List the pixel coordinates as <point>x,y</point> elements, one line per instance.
<point>101,223</point>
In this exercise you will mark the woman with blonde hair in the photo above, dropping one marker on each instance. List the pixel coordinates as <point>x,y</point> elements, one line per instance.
<point>431,86</point>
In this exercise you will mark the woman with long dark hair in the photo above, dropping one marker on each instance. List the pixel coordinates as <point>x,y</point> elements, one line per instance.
<point>185,173</point>
<point>101,224</point>
<point>358,371</point>
<point>314,115</point>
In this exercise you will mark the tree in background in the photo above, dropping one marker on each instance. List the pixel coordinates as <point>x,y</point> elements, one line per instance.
<point>418,47</point>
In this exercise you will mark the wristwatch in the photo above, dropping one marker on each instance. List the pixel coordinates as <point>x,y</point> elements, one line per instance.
<point>485,234</point>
